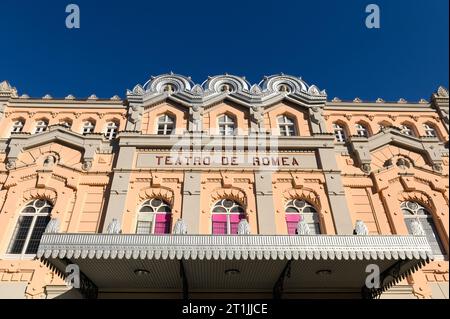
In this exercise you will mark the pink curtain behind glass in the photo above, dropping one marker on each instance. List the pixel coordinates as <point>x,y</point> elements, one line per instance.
<point>162,225</point>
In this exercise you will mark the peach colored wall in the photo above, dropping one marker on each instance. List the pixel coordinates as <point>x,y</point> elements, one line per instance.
<point>240,115</point>
<point>79,197</point>
<point>150,117</point>
<point>56,115</point>
<point>298,114</point>
<point>373,120</point>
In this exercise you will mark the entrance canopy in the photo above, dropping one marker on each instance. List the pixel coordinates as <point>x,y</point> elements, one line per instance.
<point>275,265</point>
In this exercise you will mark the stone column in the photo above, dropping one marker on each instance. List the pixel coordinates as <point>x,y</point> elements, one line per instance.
<point>264,203</point>
<point>119,186</point>
<point>335,192</point>
<point>191,201</point>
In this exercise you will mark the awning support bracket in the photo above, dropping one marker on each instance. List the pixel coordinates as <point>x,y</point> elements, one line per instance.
<point>279,285</point>
<point>395,273</point>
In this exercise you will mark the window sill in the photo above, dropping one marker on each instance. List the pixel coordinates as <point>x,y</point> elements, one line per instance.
<point>18,257</point>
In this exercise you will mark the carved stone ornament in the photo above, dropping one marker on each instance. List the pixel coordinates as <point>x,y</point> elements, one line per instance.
<point>366,168</point>
<point>243,227</point>
<point>11,164</point>
<point>180,227</point>
<point>417,229</point>
<point>49,161</point>
<point>303,228</point>
<point>113,227</point>
<point>402,101</point>
<point>87,165</point>
<point>361,228</point>
<point>442,92</point>
<point>437,167</point>
<point>138,90</point>
<point>7,90</point>
<point>336,100</point>
<point>197,90</point>
<point>52,226</point>
<point>380,100</point>
<point>357,100</point>
<point>255,89</point>
<point>93,97</point>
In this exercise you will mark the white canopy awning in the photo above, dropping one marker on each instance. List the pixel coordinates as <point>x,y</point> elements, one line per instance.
<point>300,263</point>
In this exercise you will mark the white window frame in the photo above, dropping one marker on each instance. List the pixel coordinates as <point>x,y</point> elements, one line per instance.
<point>30,230</point>
<point>430,130</point>
<point>287,123</point>
<point>339,133</point>
<point>165,125</point>
<point>413,213</point>
<point>41,126</point>
<point>228,212</point>
<point>226,125</point>
<point>309,218</point>
<point>146,217</point>
<point>362,130</point>
<point>88,128</point>
<point>66,124</point>
<point>17,126</point>
<point>111,130</point>
<point>407,130</point>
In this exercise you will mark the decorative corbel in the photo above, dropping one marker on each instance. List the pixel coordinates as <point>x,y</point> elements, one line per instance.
<point>361,228</point>
<point>180,227</point>
<point>114,227</point>
<point>52,226</point>
<point>360,149</point>
<point>244,227</point>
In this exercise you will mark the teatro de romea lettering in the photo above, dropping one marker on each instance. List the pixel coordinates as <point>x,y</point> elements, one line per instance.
<point>224,189</point>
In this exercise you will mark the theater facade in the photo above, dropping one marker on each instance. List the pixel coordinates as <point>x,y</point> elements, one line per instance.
<point>223,190</point>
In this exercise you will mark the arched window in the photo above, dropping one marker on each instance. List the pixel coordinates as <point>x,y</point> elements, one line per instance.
<point>297,209</point>
<point>361,130</point>
<point>166,125</point>
<point>18,126</point>
<point>88,127</point>
<point>339,133</point>
<point>286,126</point>
<point>66,123</point>
<point>407,130</point>
<point>226,215</point>
<point>413,211</point>
<point>430,131</point>
<point>41,126</point>
<point>111,130</point>
<point>154,217</point>
<point>383,125</point>
<point>29,229</point>
<point>227,125</point>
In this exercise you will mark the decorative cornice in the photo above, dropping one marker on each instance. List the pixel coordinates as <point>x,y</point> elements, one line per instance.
<point>217,88</point>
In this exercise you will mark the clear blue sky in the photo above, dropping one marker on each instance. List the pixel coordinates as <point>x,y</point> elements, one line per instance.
<point>122,43</point>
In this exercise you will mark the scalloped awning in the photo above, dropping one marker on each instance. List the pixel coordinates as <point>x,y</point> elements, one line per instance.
<point>110,261</point>
<point>117,246</point>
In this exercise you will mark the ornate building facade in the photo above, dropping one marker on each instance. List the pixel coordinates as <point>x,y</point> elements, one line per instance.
<point>223,189</point>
